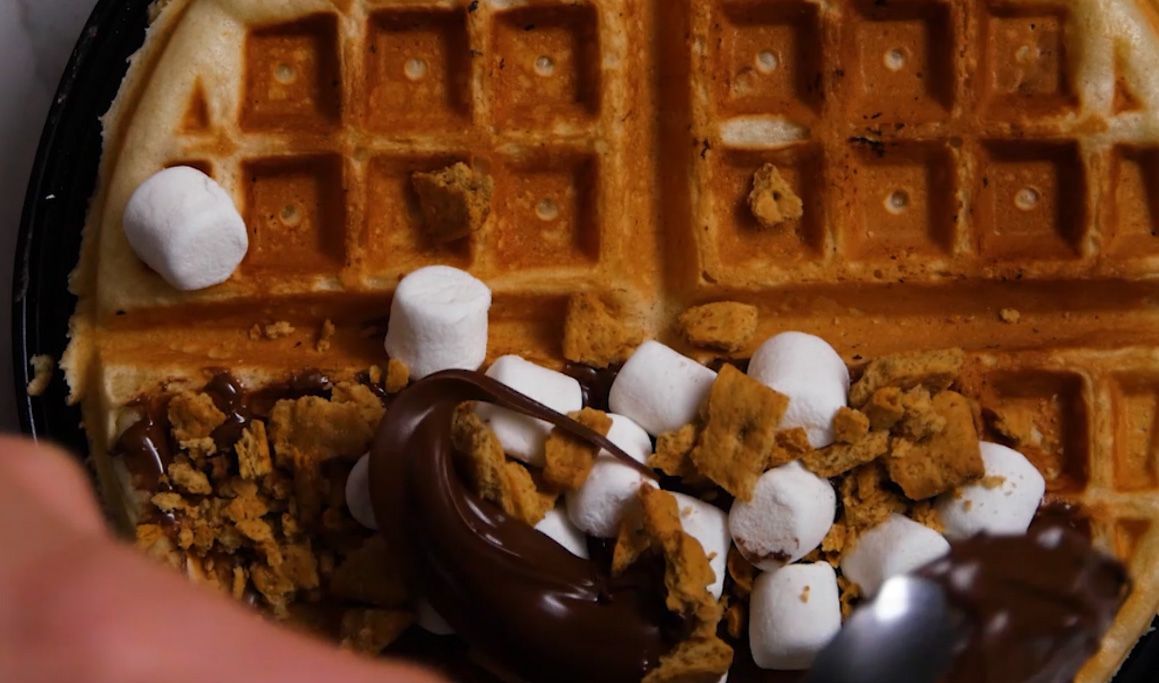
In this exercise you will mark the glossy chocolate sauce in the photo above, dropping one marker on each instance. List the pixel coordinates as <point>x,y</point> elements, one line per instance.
<point>596,383</point>
<point>562,617</point>
<point>1039,604</point>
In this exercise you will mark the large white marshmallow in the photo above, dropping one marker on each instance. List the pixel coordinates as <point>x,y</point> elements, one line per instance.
<point>431,621</point>
<point>709,525</point>
<point>556,526</point>
<point>660,389</point>
<point>438,321</point>
<point>793,613</point>
<point>995,507</point>
<point>522,436</point>
<point>807,370</point>
<point>598,505</point>
<point>789,514</point>
<point>358,493</point>
<point>896,546</point>
<point>185,226</point>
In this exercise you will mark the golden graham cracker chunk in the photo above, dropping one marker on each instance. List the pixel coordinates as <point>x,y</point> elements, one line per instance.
<point>850,425</point>
<point>725,325</point>
<point>943,461</point>
<point>569,460</point>
<point>312,429</point>
<point>740,426</point>
<point>601,329</point>
<point>867,499</point>
<point>193,417</point>
<point>253,452</point>
<point>839,458</point>
<point>397,376</point>
<point>673,451</point>
<point>934,370</point>
<point>700,659</point>
<point>454,201</point>
<point>772,199</point>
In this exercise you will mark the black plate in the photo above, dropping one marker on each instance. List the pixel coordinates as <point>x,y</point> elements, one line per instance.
<point>62,179</point>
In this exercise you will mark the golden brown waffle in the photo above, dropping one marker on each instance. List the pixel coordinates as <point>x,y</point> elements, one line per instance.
<point>975,174</point>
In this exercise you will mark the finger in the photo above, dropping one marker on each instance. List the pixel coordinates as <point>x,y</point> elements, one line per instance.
<point>44,478</point>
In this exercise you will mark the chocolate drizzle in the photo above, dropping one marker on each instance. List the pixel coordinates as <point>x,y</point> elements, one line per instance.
<point>145,447</point>
<point>596,383</point>
<point>563,617</point>
<point>1039,604</point>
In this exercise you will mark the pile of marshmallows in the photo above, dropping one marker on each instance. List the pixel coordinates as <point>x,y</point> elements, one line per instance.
<point>439,321</point>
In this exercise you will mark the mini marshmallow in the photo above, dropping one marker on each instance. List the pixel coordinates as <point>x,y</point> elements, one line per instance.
<point>556,526</point>
<point>709,525</point>
<point>793,613</point>
<point>438,321</point>
<point>598,505</point>
<point>807,370</point>
<point>185,226</point>
<point>1003,505</point>
<point>896,546</point>
<point>358,493</point>
<point>660,389</point>
<point>431,621</point>
<point>522,436</point>
<point>790,512</point>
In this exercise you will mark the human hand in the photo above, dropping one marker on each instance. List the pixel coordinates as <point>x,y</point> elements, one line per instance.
<point>78,606</point>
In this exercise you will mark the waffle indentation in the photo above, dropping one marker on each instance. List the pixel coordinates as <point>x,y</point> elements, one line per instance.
<point>547,65</point>
<point>903,61</point>
<point>1136,417</point>
<point>1048,412</point>
<point>418,70</point>
<point>741,241</point>
<point>1127,536</point>
<point>1135,219</point>
<point>295,210</point>
<point>395,233</point>
<point>196,119</point>
<point>550,211</point>
<point>1032,200</point>
<point>1024,69</point>
<point>769,59</point>
<point>904,203</point>
<point>293,77</point>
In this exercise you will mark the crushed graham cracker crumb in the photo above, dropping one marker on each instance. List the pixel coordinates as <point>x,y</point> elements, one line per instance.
<point>569,460</point>
<point>372,574</point>
<point>672,453</point>
<point>741,417</point>
<point>186,478</point>
<point>699,659</point>
<point>920,420</point>
<point>943,461</point>
<point>934,370</point>
<point>850,425</point>
<point>924,512</point>
<point>849,594</point>
<point>601,329</point>
<point>271,331</point>
<point>253,452</point>
<point>867,499</point>
<point>397,376</point>
<point>325,334</point>
<point>1009,315</point>
<point>725,325</point>
<point>804,596</point>
<point>742,572</point>
<point>735,619</point>
<point>884,408</point>
<point>43,367</point>
<point>839,458</point>
<point>314,429</point>
<point>370,631</point>
<point>455,201</point>
<point>992,482</point>
<point>791,444</point>
<point>772,200</point>
<point>193,417</point>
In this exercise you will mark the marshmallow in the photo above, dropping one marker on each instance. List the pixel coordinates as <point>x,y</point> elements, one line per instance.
<point>438,321</point>
<point>431,621</point>
<point>1002,507</point>
<point>793,613</point>
<point>708,525</point>
<point>358,493</point>
<point>660,389</point>
<point>185,226</point>
<point>556,526</point>
<point>598,505</point>
<point>896,546</point>
<point>522,436</point>
<point>790,512</point>
<point>807,370</point>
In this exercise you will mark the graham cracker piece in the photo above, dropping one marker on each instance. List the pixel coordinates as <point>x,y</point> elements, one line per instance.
<point>867,499</point>
<point>943,461</point>
<point>741,417</point>
<point>850,425</point>
<point>699,659</point>
<point>397,376</point>
<point>454,201</point>
<point>672,453</point>
<point>43,366</point>
<point>271,331</point>
<point>492,477</point>
<point>884,408</point>
<point>632,541</point>
<point>325,334</point>
<point>370,631</point>
<point>742,572</point>
<point>313,429</point>
<point>253,452</point>
<point>792,444</point>
<point>919,418</point>
<point>735,619</point>
<point>188,479</point>
<point>772,200</point>
<point>849,594</point>
<point>934,370</point>
<point>601,329</point>
<point>193,416</point>
<point>568,459</point>
<point>725,325</point>
<point>839,458</point>
<point>924,512</point>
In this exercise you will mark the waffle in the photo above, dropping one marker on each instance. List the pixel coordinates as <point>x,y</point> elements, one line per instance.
<point>974,174</point>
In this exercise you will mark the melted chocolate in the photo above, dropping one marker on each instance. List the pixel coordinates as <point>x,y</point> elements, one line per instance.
<point>145,448</point>
<point>596,383</point>
<point>1039,604</point>
<point>563,617</point>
